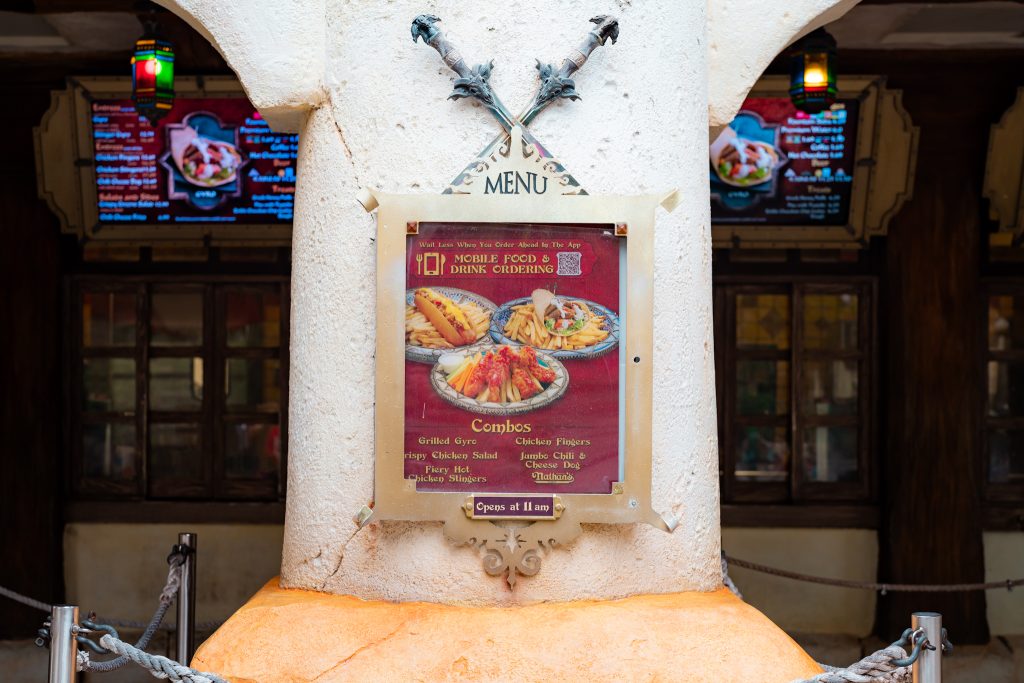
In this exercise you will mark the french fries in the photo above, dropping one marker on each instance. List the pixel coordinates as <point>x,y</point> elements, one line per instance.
<point>419,331</point>
<point>524,325</point>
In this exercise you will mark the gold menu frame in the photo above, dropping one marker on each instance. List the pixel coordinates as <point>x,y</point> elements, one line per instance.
<point>632,218</point>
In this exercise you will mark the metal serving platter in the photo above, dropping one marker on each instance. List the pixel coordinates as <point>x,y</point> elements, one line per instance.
<point>550,394</point>
<point>501,317</point>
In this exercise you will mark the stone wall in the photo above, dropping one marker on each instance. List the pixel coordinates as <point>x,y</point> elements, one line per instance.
<point>372,111</point>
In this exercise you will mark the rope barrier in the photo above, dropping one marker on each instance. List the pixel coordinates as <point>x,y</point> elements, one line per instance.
<point>1008,584</point>
<point>25,600</point>
<point>877,667</point>
<point>167,596</point>
<point>158,666</point>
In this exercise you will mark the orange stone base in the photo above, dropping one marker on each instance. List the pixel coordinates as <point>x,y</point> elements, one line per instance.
<point>297,635</point>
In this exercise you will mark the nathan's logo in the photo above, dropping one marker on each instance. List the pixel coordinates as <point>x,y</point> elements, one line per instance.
<point>514,182</point>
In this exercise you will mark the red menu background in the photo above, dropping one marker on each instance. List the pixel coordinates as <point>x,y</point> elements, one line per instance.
<point>589,410</point>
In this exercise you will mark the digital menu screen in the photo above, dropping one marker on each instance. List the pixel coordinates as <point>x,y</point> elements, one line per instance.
<point>776,165</point>
<point>210,160</point>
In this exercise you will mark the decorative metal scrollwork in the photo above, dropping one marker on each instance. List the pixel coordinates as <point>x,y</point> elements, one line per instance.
<point>511,549</point>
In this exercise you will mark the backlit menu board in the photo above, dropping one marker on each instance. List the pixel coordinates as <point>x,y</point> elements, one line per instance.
<point>776,165</point>
<point>209,161</point>
<point>512,371</point>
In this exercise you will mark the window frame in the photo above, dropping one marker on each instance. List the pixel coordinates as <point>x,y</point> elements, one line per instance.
<point>996,493</point>
<point>855,498</point>
<point>90,495</point>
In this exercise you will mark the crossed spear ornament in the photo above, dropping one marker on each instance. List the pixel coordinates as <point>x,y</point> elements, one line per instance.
<point>555,83</point>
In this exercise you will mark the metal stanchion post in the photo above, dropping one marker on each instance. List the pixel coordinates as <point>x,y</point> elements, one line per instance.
<point>187,600</point>
<point>928,668</point>
<point>63,646</point>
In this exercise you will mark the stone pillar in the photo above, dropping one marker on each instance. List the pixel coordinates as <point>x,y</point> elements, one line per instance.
<point>373,112</point>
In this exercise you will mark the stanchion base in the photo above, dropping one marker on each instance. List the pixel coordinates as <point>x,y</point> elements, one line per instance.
<point>300,635</point>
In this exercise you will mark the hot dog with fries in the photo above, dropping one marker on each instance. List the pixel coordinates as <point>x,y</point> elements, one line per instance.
<point>436,321</point>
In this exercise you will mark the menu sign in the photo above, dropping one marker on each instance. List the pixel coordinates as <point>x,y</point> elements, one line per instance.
<point>512,371</point>
<point>776,165</point>
<point>210,160</point>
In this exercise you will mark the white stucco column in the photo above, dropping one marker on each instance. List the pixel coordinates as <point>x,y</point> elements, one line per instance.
<point>373,112</point>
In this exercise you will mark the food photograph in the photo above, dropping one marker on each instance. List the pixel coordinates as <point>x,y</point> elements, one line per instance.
<point>503,380</point>
<point>204,161</point>
<point>438,319</point>
<point>565,326</point>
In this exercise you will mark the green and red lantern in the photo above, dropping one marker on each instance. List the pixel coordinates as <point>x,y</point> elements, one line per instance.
<point>812,79</point>
<point>153,77</point>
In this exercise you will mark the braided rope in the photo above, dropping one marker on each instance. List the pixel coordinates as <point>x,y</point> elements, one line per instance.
<point>167,596</point>
<point>1008,584</point>
<point>159,667</point>
<point>877,667</point>
<point>25,600</point>
<point>728,581</point>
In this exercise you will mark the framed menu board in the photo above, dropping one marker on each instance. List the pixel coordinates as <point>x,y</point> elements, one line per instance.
<point>212,169</point>
<point>783,178</point>
<point>514,359</point>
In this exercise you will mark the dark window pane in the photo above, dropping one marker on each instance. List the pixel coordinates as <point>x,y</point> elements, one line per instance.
<point>175,383</point>
<point>1006,456</point>
<point>175,451</point>
<point>1006,389</point>
<point>108,384</point>
<point>108,319</point>
<point>176,319</point>
<point>1005,322</point>
<point>762,454</point>
<point>830,321</point>
<point>108,451</point>
<point>762,321</point>
<point>830,453</point>
<point>829,387</point>
<point>253,451</point>
<point>253,384</point>
<point>762,387</point>
<point>253,318</point>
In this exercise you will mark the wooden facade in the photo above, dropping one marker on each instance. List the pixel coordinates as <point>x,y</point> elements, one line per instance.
<point>923,467</point>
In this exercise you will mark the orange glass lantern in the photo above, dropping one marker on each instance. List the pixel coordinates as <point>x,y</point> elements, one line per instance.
<point>812,79</point>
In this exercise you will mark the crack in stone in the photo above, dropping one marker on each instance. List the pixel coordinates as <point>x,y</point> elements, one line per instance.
<point>362,649</point>
<point>341,557</point>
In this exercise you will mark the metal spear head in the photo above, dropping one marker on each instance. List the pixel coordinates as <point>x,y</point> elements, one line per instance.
<point>554,85</point>
<point>607,27</point>
<point>423,27</point>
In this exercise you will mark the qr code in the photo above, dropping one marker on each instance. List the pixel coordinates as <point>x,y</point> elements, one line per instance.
<point>569,263</point>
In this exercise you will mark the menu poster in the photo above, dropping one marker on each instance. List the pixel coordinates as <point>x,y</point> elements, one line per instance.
<point>210,160</point>
<point>776,165</point>
<point>512,372</point>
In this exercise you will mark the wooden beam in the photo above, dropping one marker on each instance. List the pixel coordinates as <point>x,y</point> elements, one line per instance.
<point>931,484</point>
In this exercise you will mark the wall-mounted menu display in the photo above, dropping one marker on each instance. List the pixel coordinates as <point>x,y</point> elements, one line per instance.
<point>776,165</point>
<point>210,160</point>
<point>212,172</point>
<point>781,178</point>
